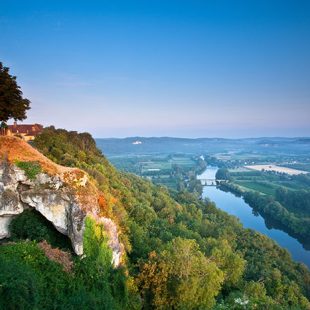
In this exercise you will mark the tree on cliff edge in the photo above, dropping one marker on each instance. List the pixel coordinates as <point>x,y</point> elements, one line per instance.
<point>12,103</point>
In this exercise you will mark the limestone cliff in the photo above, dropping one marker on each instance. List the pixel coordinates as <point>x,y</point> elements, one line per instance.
<point>64,196</point>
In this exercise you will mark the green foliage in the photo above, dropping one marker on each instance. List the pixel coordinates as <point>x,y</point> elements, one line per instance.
<point>297,201</point>
<point>222,174</point>
<point>273,265</point>
<point>18,286</point>
<point>107,284</point>
<point>230,262</point>
<point>172,224</point>
<point>94,284</point>
<point>31,168</point>
<point>263,187</point>
<point>12,103</point>
<point>177,171</point>
<point>181,277</point>
<point>95,244</point>
<point>33,226</point>
<point>29,280</point>
<point>42,283</point>
<point>68,148</point>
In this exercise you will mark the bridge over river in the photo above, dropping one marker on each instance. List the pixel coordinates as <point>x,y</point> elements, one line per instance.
<point>210,182</point>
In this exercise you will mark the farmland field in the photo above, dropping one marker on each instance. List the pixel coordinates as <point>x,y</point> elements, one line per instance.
<point>170,170</point>
<point>266,182</point>
<point>265,188</point>
<point>276,168</point>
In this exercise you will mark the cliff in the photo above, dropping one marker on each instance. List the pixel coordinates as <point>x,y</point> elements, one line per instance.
<point>64,196</point>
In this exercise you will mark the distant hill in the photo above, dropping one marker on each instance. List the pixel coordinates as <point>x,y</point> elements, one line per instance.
<point>155,145</point>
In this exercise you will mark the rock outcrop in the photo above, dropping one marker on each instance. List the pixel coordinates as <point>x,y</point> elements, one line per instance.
<point>64,196</point>
<point>55,200</point>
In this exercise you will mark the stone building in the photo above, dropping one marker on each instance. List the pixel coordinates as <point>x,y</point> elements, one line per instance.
<point>26,131</point>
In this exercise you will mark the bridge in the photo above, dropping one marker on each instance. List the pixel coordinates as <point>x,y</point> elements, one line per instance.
<point>211,182</point>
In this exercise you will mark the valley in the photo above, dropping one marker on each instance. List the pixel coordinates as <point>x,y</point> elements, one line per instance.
<point>265,171</point>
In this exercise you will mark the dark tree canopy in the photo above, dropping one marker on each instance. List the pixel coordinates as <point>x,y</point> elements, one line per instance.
<point>222,174</point>
<point>12,103</point>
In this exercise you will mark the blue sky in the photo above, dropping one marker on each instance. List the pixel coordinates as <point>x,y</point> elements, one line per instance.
<point>162,68</point>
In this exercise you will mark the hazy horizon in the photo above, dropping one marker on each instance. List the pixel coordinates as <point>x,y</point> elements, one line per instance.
<point>186,136</point>
<point>162,68</point>
<point>197,138</point>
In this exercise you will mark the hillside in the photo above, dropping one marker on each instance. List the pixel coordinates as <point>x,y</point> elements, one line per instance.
<point>181,252</point>
<point>15,149</point>
<point>55,206</point>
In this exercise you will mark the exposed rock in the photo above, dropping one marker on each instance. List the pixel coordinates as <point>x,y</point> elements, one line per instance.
<point>51,204</point>
<point>4,226</point>
<point>76,226</point>
<point>47,195</point>
<point>10,203</point>
<point>114,243</point>
<point>64,196</point>
<point>53,182</point>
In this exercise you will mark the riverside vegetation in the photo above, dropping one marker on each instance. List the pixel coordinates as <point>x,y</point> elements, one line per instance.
<point>283,198</point>
<point>181,252</point>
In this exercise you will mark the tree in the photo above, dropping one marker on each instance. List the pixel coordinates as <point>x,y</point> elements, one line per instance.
<point>12,103</point>
<point>180,277</point>
<point>222,174</point>
<point>230,262</point>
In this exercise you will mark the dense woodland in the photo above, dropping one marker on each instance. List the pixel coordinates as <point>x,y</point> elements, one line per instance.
<point>182,253</point>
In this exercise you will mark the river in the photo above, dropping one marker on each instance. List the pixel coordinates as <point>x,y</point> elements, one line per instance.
<point>238,207</point>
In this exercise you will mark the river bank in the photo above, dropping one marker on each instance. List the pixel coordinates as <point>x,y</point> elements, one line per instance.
<point>250,218</point>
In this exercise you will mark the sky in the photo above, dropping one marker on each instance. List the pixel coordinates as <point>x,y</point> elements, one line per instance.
<point>183,68</point>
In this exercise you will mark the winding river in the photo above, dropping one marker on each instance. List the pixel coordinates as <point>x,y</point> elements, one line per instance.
<point>238,207</point>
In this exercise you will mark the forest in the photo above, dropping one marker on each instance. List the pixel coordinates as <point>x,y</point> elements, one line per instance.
<point>181,252</point>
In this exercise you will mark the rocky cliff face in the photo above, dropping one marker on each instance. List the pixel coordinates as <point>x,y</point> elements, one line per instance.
<point>48,195</point>
<point>64,197</point>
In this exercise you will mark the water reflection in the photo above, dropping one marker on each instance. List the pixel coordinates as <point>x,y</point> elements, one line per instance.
<point>250,218</point>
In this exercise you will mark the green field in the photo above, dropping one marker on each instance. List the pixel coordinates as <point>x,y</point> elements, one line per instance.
<point>265,188</point>
<point>168,170</point>
<point>265,182</point>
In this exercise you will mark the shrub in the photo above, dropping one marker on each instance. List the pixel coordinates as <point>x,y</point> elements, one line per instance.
<point>18,286</point>
<point>31,168</point>
<point>29,280</point>
<point>32,225</point>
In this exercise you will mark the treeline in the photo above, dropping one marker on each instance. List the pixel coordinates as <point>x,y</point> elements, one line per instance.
<point>182,253</point>
<point>296,201</point>
<point>70,148</point>
<point>285,208</point>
